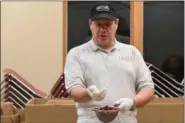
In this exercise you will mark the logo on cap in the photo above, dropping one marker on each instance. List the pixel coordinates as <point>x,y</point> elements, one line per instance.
<point>102,8</point>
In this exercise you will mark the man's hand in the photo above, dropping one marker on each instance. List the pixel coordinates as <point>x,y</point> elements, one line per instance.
<point>96,94</point>
<point>125,104</point>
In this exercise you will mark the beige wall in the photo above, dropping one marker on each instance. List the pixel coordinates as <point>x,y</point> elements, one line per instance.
<point>31,41</point>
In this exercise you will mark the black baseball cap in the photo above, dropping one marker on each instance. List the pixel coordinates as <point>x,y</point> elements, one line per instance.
<point>103,10</point>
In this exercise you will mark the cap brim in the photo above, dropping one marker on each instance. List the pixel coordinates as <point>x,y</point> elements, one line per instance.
<point>103,16</point>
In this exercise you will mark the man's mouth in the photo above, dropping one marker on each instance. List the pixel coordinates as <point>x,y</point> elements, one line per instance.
<point>103,36</point>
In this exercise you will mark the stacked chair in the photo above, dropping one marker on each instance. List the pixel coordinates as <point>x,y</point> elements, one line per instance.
<point>165,86</point>
<point>16,89</point>
<point>59,90</point>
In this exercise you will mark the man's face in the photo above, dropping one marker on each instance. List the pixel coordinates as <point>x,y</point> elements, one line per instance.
<point>103,31</point>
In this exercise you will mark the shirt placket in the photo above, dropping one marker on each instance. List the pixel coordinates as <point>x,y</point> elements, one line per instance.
<point>105,57</point>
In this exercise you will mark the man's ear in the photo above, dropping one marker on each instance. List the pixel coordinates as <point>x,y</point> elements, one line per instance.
<point>117,23</point>
<point>90,23</point>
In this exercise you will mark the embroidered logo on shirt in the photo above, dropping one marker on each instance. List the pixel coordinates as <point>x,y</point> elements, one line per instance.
<point>126,58</point>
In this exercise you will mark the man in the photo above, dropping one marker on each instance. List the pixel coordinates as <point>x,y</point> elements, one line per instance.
<point>104,71</point>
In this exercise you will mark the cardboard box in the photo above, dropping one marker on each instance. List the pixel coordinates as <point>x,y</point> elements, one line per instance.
<point>167,100</point>
<point>41,110</point>
<point>162,110</point>
<point>21,112</point>
<point>7,108</point>
<point>59,101</point>
<point>23,122</point>
<point>10,118</point>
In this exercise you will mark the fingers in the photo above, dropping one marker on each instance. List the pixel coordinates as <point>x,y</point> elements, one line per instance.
<point>118,102</point>
<point>96,94</point>
<point>103,91</point>
<point>102,94</point>
<point>99,95</point>
<point>125,104</point>
<point>121,106</point>
<point>93,88</point>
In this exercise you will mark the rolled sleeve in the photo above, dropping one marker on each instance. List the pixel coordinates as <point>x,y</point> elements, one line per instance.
<point>73,71</point>
<point>143,74</point>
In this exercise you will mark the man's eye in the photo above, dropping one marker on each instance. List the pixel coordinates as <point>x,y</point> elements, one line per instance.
<point>99,25</point>
<point>107,25</point>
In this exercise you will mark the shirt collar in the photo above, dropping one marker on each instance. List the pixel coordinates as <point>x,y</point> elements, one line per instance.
<point>94,47</point>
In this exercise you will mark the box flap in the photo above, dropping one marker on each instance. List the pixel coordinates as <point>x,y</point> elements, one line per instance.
<point>10,118</point>
<point>7,108</point>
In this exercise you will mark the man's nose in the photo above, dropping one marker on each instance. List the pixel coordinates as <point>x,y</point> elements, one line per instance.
<point>103,28</point>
